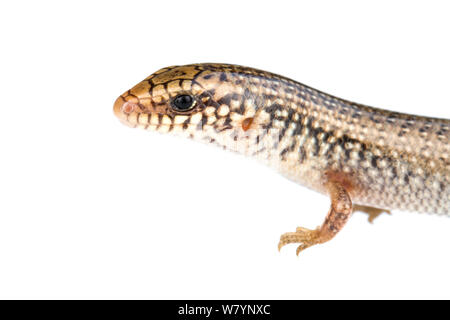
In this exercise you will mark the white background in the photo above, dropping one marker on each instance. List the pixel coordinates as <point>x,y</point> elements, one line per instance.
<point>92,209</point>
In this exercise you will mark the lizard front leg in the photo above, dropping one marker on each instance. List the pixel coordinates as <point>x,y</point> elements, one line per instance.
<point>340,211</point>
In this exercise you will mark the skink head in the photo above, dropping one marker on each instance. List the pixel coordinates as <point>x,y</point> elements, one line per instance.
<point>209,102</point>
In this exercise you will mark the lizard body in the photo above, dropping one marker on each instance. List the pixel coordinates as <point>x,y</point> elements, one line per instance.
<point>362,157</point>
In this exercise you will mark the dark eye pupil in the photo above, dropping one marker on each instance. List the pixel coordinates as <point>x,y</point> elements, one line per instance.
<point>183,102</point>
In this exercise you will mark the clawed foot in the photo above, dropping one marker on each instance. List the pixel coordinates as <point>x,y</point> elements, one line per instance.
<point>305,237</point>
<point>340,211</point>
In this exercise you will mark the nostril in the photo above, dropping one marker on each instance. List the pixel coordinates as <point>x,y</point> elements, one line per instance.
<point>128,107</point>
<point>122,108</point>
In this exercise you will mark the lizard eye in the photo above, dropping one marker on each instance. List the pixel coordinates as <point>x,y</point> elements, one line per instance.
<point>183,102</point>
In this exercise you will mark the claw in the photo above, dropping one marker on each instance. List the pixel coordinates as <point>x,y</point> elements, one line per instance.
<point>306,237</point>
<point>300,248</point>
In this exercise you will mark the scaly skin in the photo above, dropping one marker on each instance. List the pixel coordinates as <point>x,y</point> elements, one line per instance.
<point>354,153</point>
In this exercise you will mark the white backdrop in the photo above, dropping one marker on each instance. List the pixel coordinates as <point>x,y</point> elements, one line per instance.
<point>92,209</point>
